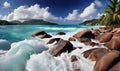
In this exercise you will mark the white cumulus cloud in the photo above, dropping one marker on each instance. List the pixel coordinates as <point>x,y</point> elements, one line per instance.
<point>88,13</point>
<point>23,13</point>
<point>33,12</point>
<point>98,3</point>
<point>6,4</point>
<point>73,16</point>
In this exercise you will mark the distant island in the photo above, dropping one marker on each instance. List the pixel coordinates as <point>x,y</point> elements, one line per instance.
<point>90,22</point>
<point>28,22</point>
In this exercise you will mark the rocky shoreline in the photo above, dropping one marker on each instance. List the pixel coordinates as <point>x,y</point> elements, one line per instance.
<point>106,59</point>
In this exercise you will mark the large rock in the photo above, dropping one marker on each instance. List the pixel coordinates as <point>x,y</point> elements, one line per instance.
<point>60,33</point>
<point>87,41</point>
<point>61,46</point>
<point>115,67</point>
<point>84,40</point>
<point>95,53</point>
<point>45,36</point>
<point>105,37</point>
<point>87,52</point>
<point>114,43</point>
<point>38,33</point>
<point>116,30</point>
<point>53,40</point>
<point>72,39</point>
<point>107,61</point>
<point>84,33</point>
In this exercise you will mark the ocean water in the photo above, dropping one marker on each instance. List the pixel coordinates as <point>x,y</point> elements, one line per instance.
<point>21,52</point>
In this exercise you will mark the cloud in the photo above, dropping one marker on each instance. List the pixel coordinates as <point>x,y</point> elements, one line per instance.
<point>23,13</point>
<point>0,16</point>
<point>6,4</point>
<point>88,13</point>
<point>73,16</point>
<point>100,14</point>
<point>33,12</point>
<point>98,3</point>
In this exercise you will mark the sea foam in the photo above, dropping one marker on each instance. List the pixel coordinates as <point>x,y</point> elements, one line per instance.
<point>15,59</point>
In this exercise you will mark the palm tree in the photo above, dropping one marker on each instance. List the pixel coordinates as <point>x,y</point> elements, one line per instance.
<point>112,13</point>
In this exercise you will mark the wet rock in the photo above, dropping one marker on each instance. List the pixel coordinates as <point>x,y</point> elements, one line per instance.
<point>87,52</point>
<point>84,33</point>
<point>60,33</point>
<point>94,44</point>
<point>38,33</point>
<point>107,61</point>
<point>61,46</point>
<point>116,67</point>
<point>53,40</point>
<point>114,43</point>
<point>105,37</point>
<point>87,41</point>
<point>75,65</point>
<point>45,36</point>
<point>95,54</point>
<point>73,58</point>
<point>72,39</point>
<point>106,29</point>
<point>95,32</point>
<point>77,70</point>
<point>116,30</point>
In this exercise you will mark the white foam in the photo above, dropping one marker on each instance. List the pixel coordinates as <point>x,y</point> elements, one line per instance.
<point>45,62</point>
<point>36,45</point>
<point>60,28</point>
<point>15,59</point>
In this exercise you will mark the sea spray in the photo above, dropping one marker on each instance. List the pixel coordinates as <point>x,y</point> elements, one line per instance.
<point>32,55</point>
<point>45,62</point>
<point>15,59</point>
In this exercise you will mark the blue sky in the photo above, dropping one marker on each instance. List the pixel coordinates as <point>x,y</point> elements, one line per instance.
<point>58,11</point>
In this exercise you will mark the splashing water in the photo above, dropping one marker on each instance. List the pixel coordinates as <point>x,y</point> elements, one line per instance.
<point>32,54</point>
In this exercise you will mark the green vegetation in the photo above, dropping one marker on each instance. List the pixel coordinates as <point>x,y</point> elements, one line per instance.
<point>112,12</point>
<point>29,22</point>
<point>37,22</point>
<point>90,22</point>
<point>111,15</point>
<point>4,22</point>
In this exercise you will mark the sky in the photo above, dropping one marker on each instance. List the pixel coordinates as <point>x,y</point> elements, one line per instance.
<point>57,11</point>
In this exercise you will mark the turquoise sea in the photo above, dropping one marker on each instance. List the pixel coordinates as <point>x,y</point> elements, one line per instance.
<point>21,52</point>
<point>14,33</point>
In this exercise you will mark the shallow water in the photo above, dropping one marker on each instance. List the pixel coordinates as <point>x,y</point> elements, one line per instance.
<point>15,33</point>
<point>20,52</point>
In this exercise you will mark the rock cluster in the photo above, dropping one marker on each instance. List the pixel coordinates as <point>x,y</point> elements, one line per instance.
<point>107,59</point>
